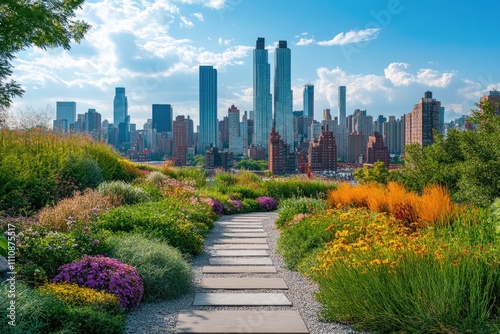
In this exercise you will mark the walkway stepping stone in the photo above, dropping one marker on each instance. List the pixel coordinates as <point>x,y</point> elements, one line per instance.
<point>241,299</point>
<point>241,226</point>
<point>243,235</point>
<point>242,283</point>
<point>233,253</point>
<point>240,261</point>
<point>240,246</point>
<point>240,241</point>
<point>257,322</point>
<point>238,269</point>
<point>243,230</point>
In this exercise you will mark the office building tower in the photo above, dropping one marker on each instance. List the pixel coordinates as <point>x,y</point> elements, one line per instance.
<point>65,115</point>
<point>223,135</point>
<point>379,123</point>
<point>281,161</point>
<point>190,132</point>
<point>92,122</point>
<point>236,145</point>
<point>327,116</point>
<point>376,150</point>
<point>363,124</point>
<point>308,100</point>
<point>283,102</point>
<point>423,120</point>
<point>121,121</point>
<point>207,136</point>
<point>262,113</point>
<point>393,134</point>
<point>493,97</point>
<point>356,148</point>
<point>180,140</point>
<point>342,105</point>
<point>323,152</point>
<point>162,117</point>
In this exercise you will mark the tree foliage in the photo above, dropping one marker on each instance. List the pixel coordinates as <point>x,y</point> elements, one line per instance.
<point>251,164</point>
<point>377,174</point>
<point>467,162</point>
<point>41,23</point>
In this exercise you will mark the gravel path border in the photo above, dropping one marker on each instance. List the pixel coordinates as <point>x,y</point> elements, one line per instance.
<point>156,318</point>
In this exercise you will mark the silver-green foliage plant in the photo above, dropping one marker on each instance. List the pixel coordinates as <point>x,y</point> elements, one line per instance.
<point>126,193</point>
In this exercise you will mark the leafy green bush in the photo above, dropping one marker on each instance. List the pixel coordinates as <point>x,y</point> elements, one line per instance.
<point>197,175</point>
<point>39,247</point>
<point>222,180</point>
<point>288,208</point>
<point>171,220</point>
<point>156,178</point>
<point>165,272</point>
<point>251,205</point>
<point>244,191</point>
<point>38,313</point>
<point>125,192</point>
<point>81,171</point>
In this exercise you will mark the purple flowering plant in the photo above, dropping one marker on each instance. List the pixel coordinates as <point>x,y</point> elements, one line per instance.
<point>267,203</point>
<point>105,273</point>
<point>217,207</point>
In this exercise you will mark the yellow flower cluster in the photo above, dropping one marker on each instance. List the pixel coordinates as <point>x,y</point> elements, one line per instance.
<point>73,294</point>
<point>368,240</point>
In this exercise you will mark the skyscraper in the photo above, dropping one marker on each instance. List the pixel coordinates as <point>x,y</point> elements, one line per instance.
<point>162,117</point>
<point>308,101</point>
<point>342,105</point>
<point>208,109</point>
<point>262,100</point>
<point>283,108</point>
<point>420,123</point>
<point>65,111</point>
<point>376,150</point>
<point>121,121</point>
<point>180,139</point>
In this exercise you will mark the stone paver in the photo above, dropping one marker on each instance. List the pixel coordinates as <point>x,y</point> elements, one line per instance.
<point>240,246</point>
<point>242,283</point>
<point>238,253</point>
<point>238,269</point>
<point>243,230</point>
<point>258,322</point>
<point>240,261</point>
<point>241,226</point>
<point>243,235</point>
<point>241,241</point>
<point>241,299</point>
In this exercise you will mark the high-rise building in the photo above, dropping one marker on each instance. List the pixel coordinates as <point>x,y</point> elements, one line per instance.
<point>236,145</point>
<point>207,136</point>
<point>223,135</point>
<point>283,102</point>
<point>162,117</point>
<point>327,116</point>
<point>180,140</point>
<point>342,105</point>
<point>494,98</point>
<point>93,122</point>
<point>356,148</point>
<point>308,101</point>
<point>379,123</point>
<point>121,120</point>
<point>363,124</point>
<point>376,150</point>
<point>393,133</point>
<point>281,161</point>
<point>65,110</point>
<point>262,99</point>
<point>323,152</point>
<point>423,120</point>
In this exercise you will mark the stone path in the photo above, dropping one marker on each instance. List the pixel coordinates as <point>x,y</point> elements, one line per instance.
<point>248,303</point>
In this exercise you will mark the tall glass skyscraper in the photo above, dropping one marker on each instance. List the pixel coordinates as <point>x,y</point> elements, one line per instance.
<point>208,109</point>
<point>262,99</point>
<point>162,117</point>
<point>121,121</point>
<point>342,105</point>
<point>309,101</point>
<point>65,115</point>
<point>283,102</point>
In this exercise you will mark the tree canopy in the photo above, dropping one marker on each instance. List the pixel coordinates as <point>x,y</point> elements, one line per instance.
<point>466,162</point>
<point>40,23</point>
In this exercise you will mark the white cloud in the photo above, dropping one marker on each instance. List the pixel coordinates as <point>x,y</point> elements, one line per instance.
<point>199,16</point>
<point>215,4</point>
<point>225,42</point>
<point>397,73</point>
<point>353,36</point>
<point>305,41</point>
<point>186,23</point>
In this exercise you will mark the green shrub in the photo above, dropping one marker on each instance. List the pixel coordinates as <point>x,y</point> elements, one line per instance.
<point>222,180</point>
<point>297,187</point>
<point>127,193</point>
<point>299,243</point>
<point>288,208</point>
<point>38,313</point>
<point>165,272</point>
<point>156,178</point>
<point>244,191</point>
<point>180,224</point>
<point>197,175</point>
<point>251,205</point>
<point>40,247</point>
<point>81,171</point>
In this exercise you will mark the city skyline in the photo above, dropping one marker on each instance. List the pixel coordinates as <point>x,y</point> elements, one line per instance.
<point>383,52</point>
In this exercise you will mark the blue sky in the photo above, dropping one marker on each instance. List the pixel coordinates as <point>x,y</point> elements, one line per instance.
<point>387,53</point>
